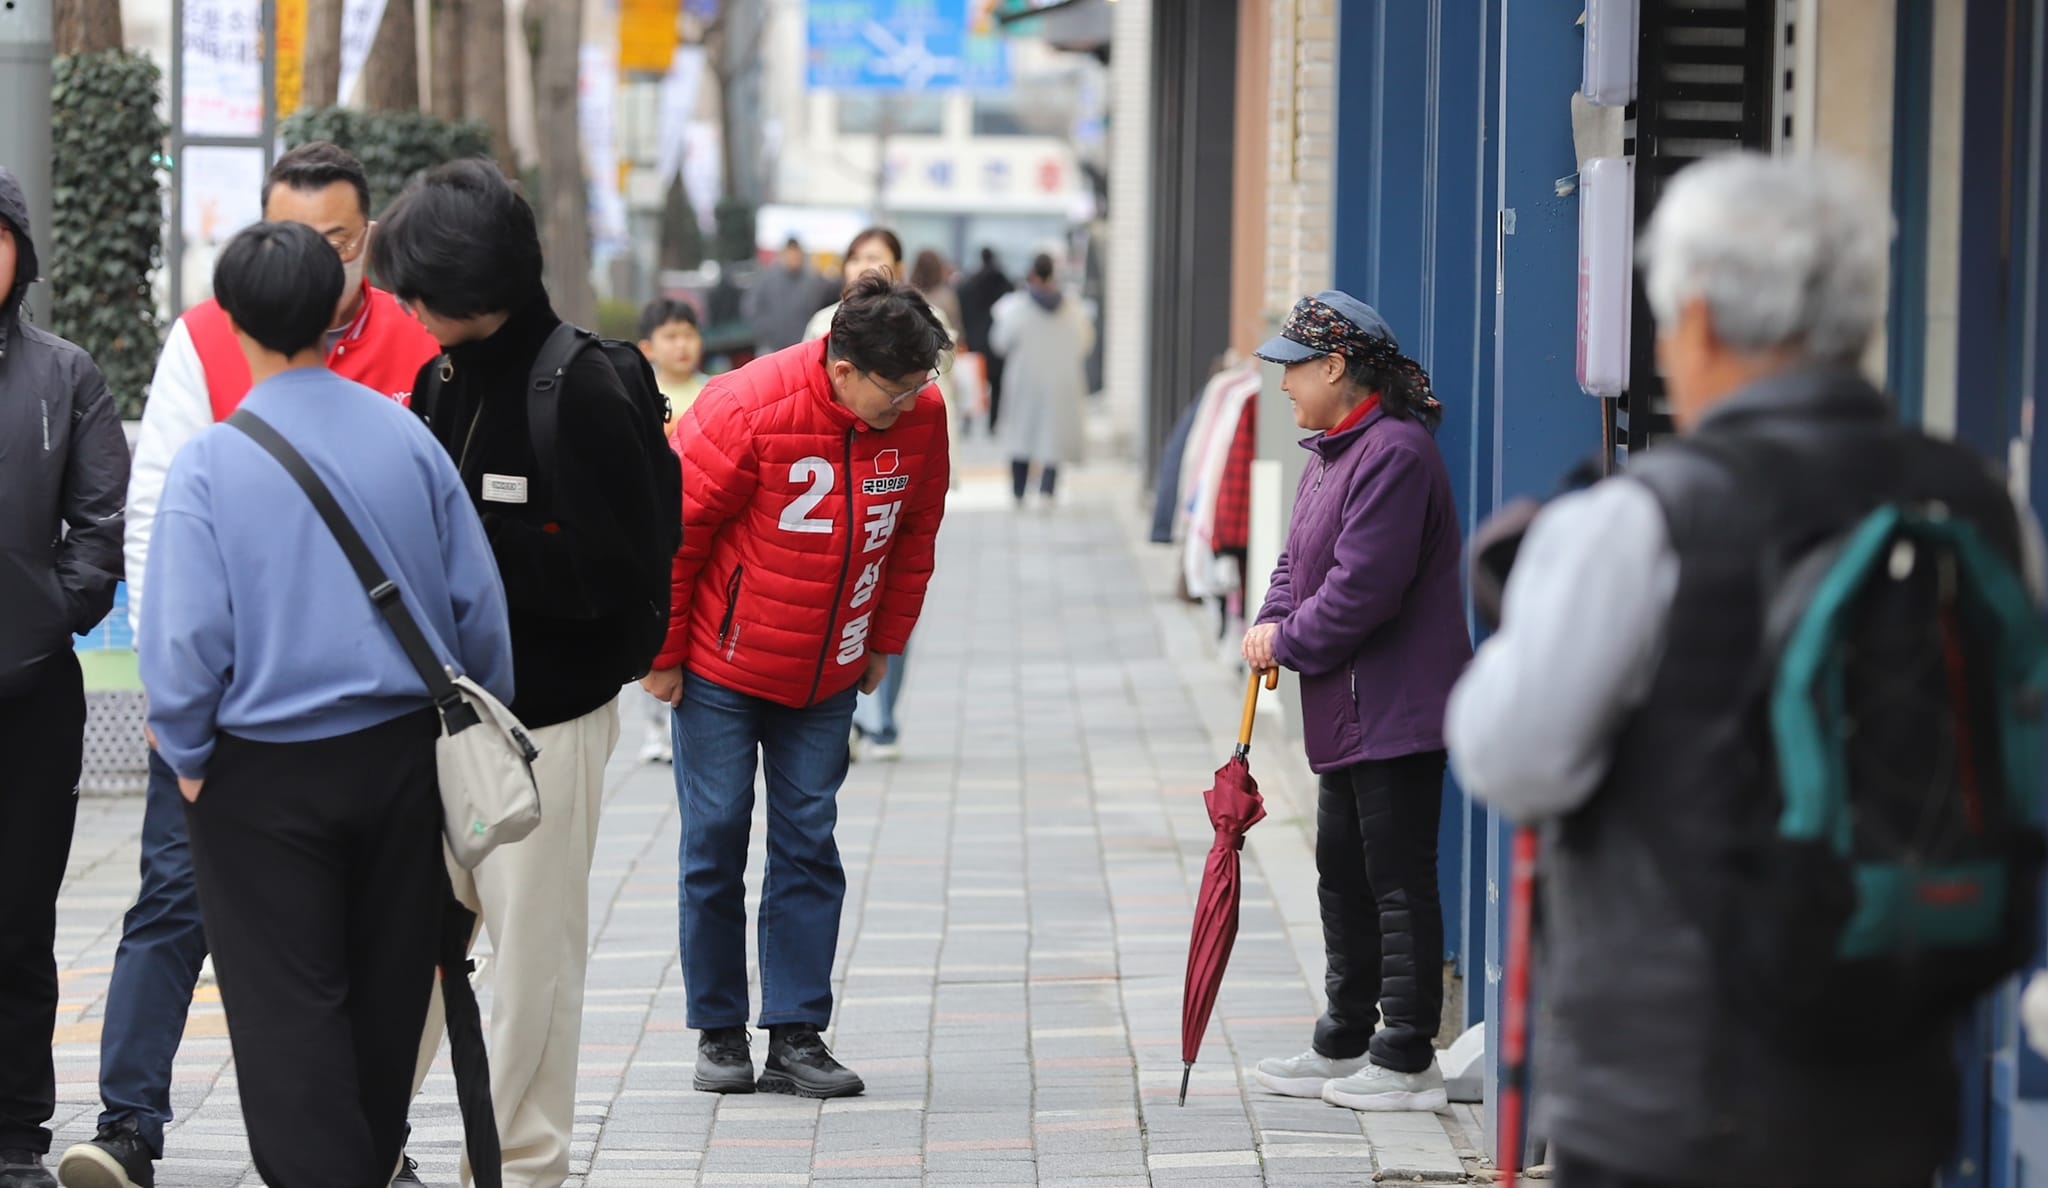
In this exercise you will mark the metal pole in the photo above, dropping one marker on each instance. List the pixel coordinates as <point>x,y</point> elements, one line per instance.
<point>25,53</point>
<point>174,255</point>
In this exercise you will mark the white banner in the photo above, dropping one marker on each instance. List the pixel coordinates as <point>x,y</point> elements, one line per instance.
<point>359,21</point>
<point>222,68</point>
<point>597,104</point>
<point>680,90</point>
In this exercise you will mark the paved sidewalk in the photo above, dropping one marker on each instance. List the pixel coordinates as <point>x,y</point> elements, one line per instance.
<point>1015,930</point>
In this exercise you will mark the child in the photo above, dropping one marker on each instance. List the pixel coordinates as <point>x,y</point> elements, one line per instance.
<point>672,343</point>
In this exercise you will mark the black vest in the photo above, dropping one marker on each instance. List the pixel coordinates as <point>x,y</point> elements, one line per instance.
<point>1663,1078</point>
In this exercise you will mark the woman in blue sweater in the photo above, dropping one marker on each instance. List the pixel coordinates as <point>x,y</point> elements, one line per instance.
<point>302,739</point>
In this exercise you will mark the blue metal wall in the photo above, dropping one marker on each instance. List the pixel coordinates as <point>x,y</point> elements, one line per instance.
<point>1454,141</point>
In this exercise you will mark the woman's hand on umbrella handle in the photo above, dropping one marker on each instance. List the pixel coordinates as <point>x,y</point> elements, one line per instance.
<point>1258,646</point>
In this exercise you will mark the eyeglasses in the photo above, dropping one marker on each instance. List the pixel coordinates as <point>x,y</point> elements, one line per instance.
<point>346,245</point>
<point>908,394</point>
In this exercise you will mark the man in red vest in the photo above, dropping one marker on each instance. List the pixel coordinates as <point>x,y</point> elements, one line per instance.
<point>201,378</point>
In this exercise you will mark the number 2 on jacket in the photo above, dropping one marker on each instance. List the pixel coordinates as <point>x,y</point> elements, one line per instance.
<point>797,516</point>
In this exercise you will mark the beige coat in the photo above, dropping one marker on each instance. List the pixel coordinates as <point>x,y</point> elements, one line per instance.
<point>1045,376</point>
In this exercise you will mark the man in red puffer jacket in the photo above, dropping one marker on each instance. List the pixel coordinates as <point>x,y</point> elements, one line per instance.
<point>813,484</point>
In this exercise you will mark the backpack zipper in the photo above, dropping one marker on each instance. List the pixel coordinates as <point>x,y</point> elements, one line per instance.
<point>845,567</point>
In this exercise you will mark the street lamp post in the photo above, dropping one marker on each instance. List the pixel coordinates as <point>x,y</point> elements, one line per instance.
<point>25,52</point>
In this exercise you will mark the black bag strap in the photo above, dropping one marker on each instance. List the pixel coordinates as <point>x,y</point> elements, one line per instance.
<point>543,391</point>
<point>383,592</point>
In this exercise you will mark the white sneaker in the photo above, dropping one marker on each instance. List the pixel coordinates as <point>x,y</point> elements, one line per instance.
<point>657,750</point>
<point>885,752</point>
<point>1382,1089</point>
<point>1303,1075</point>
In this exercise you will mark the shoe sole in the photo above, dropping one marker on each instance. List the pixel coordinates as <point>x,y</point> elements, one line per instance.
<point>732,1084</point>
<point>1427,1101</point>
<point>785,1084</point>
<point>1309,1087</point>
<point>89,1167</point>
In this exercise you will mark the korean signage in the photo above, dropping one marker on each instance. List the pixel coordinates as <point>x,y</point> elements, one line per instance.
<point>647,35</point>
<point>223,68</point>
<point>900,45</point>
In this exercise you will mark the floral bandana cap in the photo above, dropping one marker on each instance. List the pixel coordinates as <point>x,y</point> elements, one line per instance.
<point>1322,330</point>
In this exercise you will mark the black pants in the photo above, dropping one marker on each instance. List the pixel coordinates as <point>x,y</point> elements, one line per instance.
<point>321,884</point>
<point>994,363</point>
<point>1020,478</point>
<point>42,736</point>
<point>1383,927</point>
<point>1569,1171</point>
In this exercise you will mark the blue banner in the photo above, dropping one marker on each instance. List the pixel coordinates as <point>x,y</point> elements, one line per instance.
<point>900,45</point>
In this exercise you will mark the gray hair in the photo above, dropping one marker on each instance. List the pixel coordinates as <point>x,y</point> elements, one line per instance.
<point>1787,253</point>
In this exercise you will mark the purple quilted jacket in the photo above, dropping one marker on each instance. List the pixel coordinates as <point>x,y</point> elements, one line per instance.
<point>1367,594</point>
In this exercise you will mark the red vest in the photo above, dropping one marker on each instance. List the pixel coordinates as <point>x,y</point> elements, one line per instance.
<point>383,349</point>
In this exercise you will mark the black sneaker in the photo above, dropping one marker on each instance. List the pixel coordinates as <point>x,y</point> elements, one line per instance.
<point>408,1172</point>
<point>24,1169</point>
<point>118,1158</point>
<point>800,1064</point>
<point>724,1063</point>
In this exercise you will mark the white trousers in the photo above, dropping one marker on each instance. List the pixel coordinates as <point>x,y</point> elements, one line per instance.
<point>534,898</point>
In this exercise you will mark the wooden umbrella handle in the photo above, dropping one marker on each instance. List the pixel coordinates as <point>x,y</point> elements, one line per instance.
<point>1251,704</point>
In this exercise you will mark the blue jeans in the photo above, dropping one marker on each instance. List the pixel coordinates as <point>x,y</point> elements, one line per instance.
<point>155,969</point>
<point>874,715</point>
<point>720,736</point>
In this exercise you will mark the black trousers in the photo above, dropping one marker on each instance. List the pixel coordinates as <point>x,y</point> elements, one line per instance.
<point>1383,924</point>
<point>321,885</point>
<point>1020,478</point>
<point>42,740</point>
<point>1570,1171</point>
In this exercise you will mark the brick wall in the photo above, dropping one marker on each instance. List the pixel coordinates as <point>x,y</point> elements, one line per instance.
<point>1301,149</point>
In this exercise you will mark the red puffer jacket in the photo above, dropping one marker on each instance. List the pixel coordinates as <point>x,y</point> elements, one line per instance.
<point>807,535</point>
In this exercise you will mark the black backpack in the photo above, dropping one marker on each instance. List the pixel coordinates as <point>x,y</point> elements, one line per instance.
<point>649,629</point>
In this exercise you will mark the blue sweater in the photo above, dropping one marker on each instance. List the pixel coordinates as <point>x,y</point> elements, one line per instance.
<point>256,625</point>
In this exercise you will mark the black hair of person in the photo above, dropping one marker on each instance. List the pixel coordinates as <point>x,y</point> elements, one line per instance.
<point>280,283</point>
<point>889,240</point>
<point>1041,266</point>
<point>461,242</point>
<point>663,310</point>
<point>1396,385</point>
<point>887,329</point>
<point>315,166</point>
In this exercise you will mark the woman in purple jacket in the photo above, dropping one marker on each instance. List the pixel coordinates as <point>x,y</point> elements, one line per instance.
<point>1366,606</point>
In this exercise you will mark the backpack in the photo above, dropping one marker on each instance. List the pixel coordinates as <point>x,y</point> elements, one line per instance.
<point>1892,872</point>
<point>648,625</point>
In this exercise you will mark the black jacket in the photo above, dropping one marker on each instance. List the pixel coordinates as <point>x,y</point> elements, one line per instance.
<point>63,478</point>
<point>978,296</point>
<point>1652,1065</point>
<point>564,539</point>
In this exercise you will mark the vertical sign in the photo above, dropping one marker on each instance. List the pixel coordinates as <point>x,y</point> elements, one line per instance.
<point>222,59</point>
<point>359,21</point>
<point>647,35</point>
<point>291,55</point>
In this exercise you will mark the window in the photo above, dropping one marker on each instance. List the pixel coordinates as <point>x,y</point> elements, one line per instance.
<point>904,115</point>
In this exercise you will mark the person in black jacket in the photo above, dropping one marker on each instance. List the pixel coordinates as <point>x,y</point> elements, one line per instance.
<point>461,251</point>
<point>978,296</point>
<point>63,471</point>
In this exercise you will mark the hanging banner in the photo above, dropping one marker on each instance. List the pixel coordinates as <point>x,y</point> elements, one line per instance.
<point>597,87</point>
<point>222,63</point>
<point>359,21</point>
<point>291,54</point>
<point>647,35</point>
<point>681,88</point>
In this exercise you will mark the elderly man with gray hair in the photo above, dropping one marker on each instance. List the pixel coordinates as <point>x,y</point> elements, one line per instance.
<point>1617,704</point>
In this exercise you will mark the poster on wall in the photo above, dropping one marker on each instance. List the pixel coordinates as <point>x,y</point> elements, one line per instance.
<point>220,192</point>
<point>222,68</point>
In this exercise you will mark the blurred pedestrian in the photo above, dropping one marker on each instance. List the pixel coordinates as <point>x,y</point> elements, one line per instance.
<point>978,296</point>
<point>877,251</point>
<point>1366,605</point>
<point>201,378</point>
<point>60,558</point>
<point>569,520</point>
<point>814,483</point>
<point>932,277</point>
<point>1618,706</point>
<point>783,299</point>
<point>1046,337</point>
<point>301,736</point>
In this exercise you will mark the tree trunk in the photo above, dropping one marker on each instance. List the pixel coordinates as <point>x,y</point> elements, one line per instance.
<point>482,49</point>
<point>391,75</point>
<point>565,196</point>
<point>87,26</point>
<point>321,70</point>
<point>446,52</point>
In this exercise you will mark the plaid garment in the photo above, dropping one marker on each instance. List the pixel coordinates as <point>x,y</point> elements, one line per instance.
<point>1234,493</point>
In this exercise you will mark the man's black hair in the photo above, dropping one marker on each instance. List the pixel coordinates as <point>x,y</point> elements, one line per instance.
<point>988,258</point>
<point>317,165</point>
<point>793,244</point>
<point>1041,266</point>
<point>661,311</point>
<point>280,283</point>
<point>887,329</point>
<point>461,242</point>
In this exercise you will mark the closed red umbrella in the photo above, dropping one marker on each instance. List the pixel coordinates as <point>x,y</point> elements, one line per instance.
<point>1234,806</point>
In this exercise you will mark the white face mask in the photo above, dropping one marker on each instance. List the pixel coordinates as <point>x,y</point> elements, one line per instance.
<point>351,280</point>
